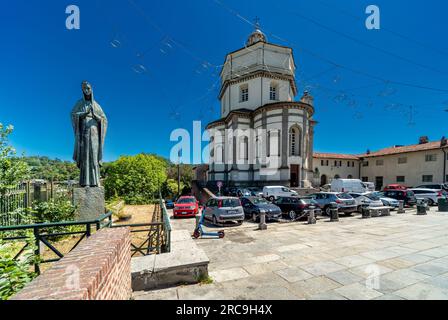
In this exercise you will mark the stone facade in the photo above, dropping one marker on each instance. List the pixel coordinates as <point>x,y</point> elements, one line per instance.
<point>412,165</point>
<point>263,136</point>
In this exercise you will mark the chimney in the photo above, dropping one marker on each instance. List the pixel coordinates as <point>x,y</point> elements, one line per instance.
<point>443,141</point>
<point>423,140</point>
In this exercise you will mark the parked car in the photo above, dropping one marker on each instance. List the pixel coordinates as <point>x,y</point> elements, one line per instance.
<point>274,192</point>
<point>345,202</point>
<point>223,209</point>
<point>431,196</point>
<point>348,185</point>
<point>242,192</point>
<point>370,186</point>
<point>256,191</point>
<point>387,202</point>
<point>252,207</point>
<point>169,204</point>
<point>326,187</point>
<point>436,186</point>
<point>364,200</point>
<point>186,206</point>
<point>395,186</point>
<point>295,207</point>
<point>406,195</point>
<point>230,191</point>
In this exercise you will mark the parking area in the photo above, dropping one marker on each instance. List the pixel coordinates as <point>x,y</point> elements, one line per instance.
<point>403,256</point>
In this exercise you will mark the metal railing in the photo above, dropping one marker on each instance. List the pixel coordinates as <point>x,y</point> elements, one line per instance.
<point>43,234</point>
<point>155,236</point>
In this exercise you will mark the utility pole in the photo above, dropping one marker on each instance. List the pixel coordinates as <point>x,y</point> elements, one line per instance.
<point>178,175</point>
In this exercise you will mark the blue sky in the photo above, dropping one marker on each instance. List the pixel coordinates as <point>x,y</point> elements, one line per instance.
<point>180,44</point>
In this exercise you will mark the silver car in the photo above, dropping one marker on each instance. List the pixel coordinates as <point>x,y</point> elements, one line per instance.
<point>344,201</point>
<point>431,196</point>
<point>223,209</point>
<point>364,200</point>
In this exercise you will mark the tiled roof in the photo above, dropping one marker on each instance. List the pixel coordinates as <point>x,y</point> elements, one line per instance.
<point>403,149</point>
<point>383,152</point>
<point>335,156</point>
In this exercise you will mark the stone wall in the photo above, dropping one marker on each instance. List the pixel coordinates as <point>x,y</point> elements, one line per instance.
<point>98,269</point>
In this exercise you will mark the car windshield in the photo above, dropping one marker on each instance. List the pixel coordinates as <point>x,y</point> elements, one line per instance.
<point>410,194</point>
<point>230,203</point>
<point>308,200</point>
<point>186,200</point>
<point>259,201</point>
<point>373,197</point>
<point>344,196</point>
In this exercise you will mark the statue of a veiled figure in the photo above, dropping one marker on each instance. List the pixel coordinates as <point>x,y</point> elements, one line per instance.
<point>90,127</point>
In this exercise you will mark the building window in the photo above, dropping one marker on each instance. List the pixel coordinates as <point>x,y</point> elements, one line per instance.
<point>402,160</point>
<point>244,93</point>
<point>273,92</point>
<point>244,148</point>
<point>349,176</point>
<point>430,157</point>
<point>337,176</point>
<point>337,163</point>
<point>380,162</point>
<point>365,179</point>
<point>427,178</point>
<point>273,144</point>
<point>365,163</point>
<point>324,163</point>
<point>351,164</point>
<point>401,179</point>
<point>294,141</point>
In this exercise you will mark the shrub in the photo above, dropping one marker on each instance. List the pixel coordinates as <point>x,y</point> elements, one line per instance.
<point>14,274</point>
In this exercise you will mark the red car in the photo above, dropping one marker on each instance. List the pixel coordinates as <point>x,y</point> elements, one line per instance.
<point>395,187</point>
<point>186,207</point>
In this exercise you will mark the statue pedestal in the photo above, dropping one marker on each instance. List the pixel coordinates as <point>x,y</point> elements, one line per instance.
<point>90,203</point>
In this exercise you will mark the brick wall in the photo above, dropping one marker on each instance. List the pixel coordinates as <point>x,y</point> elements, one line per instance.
<point>98,269</point>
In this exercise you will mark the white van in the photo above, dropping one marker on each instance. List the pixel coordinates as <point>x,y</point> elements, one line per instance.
<point>273,192</point>
<point>349,185</point>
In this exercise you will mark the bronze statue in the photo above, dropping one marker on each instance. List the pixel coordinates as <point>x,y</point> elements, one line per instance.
<point>90,127</point>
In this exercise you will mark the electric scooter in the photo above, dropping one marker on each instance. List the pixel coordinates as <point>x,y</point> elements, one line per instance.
<point>199,232</point>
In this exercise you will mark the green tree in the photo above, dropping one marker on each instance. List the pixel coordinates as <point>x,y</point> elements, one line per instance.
<point>11,172</point>
<point>136,179</point>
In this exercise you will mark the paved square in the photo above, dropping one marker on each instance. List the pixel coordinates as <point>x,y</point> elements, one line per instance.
<point>398,257</point>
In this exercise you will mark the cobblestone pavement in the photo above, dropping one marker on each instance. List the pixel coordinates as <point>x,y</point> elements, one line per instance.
<point>398,257</point>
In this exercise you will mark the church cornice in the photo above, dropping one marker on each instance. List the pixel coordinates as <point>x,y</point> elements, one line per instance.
<point>258,74</point>
<point>245,113</point>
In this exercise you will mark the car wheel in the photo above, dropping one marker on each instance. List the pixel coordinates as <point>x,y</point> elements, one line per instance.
<point>292,215</point>
<point>327,211</point>
<point>359,209</point>
<point>430,202</point>
<point>215,221</point>
<point>271,198</point>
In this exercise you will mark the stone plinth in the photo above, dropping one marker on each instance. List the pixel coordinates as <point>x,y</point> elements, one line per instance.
<point>90,203</point>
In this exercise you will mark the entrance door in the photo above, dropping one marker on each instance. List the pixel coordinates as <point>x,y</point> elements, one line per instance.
<point>379,183</point>
<point>295,175</point>
<point>323,180</point>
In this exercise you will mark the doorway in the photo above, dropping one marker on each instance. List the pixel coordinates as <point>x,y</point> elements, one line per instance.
<point>323,180</point>
<point>379,183</point>
<point>295,175</point>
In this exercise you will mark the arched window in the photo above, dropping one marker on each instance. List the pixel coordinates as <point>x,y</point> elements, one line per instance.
<point>273,91</point>
<point>337,176</point>
<point>295,139</point>
<point>349,176</point>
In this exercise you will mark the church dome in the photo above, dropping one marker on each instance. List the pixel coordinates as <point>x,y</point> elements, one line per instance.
<point>256,36</point>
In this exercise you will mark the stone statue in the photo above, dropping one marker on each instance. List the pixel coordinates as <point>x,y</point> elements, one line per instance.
<point>90,127</point>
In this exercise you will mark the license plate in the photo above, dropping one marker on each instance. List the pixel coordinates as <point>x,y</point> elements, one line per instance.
<point>232,212</point>
<point>184,213</point>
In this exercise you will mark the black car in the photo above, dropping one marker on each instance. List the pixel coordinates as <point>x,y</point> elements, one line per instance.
<point>297,208</point>
<point>406,195</point>
<point>169,204</point>
<point>254,205</point>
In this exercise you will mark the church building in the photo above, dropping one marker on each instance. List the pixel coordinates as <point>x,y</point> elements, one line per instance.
<point>263,136</point>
